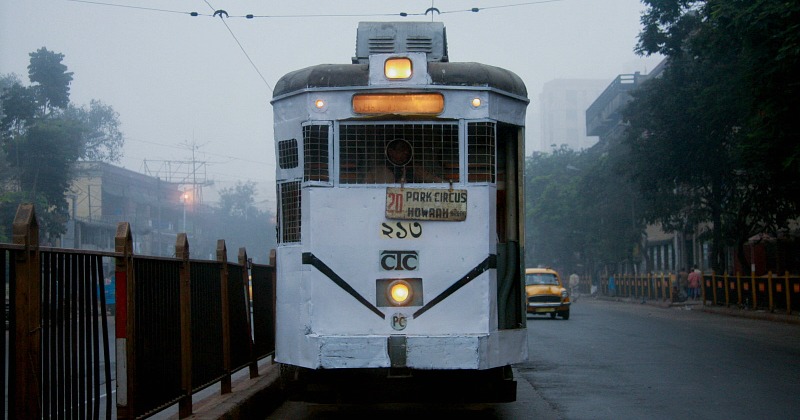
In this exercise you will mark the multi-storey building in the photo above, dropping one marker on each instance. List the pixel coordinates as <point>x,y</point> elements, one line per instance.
<point>103,195</point>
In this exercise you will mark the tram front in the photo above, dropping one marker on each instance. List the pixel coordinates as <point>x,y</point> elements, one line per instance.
<point>400,235</point>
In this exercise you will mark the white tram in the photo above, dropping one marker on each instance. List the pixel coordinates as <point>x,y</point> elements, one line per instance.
<point>400,208</point>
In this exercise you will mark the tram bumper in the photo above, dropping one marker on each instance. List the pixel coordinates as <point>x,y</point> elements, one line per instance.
<point>442,369</point>
<point>428,352</point>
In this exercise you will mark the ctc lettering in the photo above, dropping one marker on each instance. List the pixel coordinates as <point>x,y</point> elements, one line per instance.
<point>399,260</point>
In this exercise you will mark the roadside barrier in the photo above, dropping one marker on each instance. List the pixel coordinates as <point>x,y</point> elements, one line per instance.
<point>769,292</point>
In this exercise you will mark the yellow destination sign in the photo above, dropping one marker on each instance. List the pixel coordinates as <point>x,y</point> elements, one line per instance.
<point>426,204</point>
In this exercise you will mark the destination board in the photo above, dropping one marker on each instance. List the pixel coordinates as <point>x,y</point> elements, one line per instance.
<point>426,204</point>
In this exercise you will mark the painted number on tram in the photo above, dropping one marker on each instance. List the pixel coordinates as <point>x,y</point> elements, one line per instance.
<point>401,230</point>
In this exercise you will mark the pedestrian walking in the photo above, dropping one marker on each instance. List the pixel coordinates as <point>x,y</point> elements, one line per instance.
<point>612,288</point>
<point>694,279</point>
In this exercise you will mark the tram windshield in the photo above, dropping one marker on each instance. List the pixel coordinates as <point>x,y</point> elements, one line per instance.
<point>413,152</point>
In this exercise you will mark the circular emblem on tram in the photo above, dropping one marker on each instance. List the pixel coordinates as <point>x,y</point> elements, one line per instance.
<point>399,152</point>
<point>399,321</point>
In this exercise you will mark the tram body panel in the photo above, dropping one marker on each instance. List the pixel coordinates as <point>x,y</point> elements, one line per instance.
<point>351,247</point>
<point>349,139</point>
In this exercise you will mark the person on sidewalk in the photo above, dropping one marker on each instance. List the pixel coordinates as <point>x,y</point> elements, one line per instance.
<point>695,279</point>
<point>612,288</point>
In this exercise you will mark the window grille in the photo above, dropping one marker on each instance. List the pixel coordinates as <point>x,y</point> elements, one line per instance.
<point>480,152</point>
<point>287,154</point>
<point>289,215</point>
<point>363,153</point>
<point>315,153</point>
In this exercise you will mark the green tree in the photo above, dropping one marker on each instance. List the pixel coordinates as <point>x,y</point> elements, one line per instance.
<point>51,79</point>
<point>552,221</point>
<point>241,224</point>
<point>703,137</point>
<point>102,137</point>
<point>42,135</point>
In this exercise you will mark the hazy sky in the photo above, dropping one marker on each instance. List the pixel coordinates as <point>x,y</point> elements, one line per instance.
<point>181,82</point>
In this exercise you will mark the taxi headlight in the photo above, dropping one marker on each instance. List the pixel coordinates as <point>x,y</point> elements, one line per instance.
<point>564,293</point>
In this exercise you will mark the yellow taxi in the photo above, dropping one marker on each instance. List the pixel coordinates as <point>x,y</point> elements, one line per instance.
<point>546,294</point>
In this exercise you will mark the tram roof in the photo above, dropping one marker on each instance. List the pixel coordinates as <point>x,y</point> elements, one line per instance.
<point>441,73</point>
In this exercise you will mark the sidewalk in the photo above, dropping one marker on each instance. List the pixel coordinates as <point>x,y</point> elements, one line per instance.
<point>250,398</point>
<point>719,310</point>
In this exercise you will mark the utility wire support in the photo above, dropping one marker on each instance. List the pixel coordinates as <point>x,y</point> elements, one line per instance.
<point>222,15</point>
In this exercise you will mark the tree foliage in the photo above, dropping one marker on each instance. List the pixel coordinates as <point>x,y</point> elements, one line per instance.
<point>712,139</point>
<point>42,135</point>
<point>241,223</point>
<point>581,214</point>
<point>51,79</point>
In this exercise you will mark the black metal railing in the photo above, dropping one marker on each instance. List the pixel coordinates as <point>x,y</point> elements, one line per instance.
<point>180,326</point>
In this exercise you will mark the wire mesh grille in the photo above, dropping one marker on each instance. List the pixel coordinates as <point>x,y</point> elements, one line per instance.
<point>287,154</point>
<point>364,159</point>
<point>290,211</point>
<point>315,152</point>
<point>481,152</point>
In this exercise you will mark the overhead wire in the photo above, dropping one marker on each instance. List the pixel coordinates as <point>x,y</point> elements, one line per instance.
<point>322,15</point>
<point>223,15</point>
<point>220,14</point>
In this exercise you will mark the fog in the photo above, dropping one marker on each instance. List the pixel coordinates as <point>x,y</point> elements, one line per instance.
<point>185,84</point>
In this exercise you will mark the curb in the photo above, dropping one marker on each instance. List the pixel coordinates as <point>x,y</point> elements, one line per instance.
<point>249,399</point>
<point>719,310</point>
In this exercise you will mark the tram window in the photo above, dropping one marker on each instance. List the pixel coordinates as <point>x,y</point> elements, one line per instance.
<point>289,214</point>
<point>315,153</point>
<point>481,152</point>
<point>368,153</point>
<point>287,154</point>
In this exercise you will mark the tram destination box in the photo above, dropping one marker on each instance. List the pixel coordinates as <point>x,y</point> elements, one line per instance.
<point>426,204</point>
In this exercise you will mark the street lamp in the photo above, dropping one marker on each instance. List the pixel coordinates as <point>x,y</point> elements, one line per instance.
<point>184,198</point>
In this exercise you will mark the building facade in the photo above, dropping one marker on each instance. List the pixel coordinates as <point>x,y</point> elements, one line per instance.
<point>561,113</point>
<point>102,195</point>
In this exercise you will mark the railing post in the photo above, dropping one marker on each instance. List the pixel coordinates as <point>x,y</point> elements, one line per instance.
<point>703,289</point>
<point>182,253</point>
<point>672,282</point>
<point>27,305</point>
<point>788,295</point>
<point>243,261</point>
<point>714,287</point>
<point>125,334</point>
<point>274,282</point>
<point>222,257</point>
<point>739,288</point>
<point>727,288</point>
<point>769,292</point>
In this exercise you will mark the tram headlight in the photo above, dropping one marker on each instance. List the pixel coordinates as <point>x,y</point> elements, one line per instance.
<point>476,102</point>
<point>319,103</point>
<point>400,292</point>
<point>397,68</point>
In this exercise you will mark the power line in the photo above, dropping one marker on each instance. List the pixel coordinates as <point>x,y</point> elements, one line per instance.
<point>222,19</point>
<point>224,14</point>
<point>207,153</point>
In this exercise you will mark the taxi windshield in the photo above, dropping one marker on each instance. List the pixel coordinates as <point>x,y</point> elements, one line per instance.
<point>541,278</point>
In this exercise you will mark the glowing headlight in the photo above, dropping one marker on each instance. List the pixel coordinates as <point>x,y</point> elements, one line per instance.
<point>399,292</point>
<point>319,103</point>
<point>476,102</point>
<point>397,68</point>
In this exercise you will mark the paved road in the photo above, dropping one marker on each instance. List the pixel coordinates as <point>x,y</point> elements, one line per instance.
<point>615,360</point>
<point>622,360</point>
